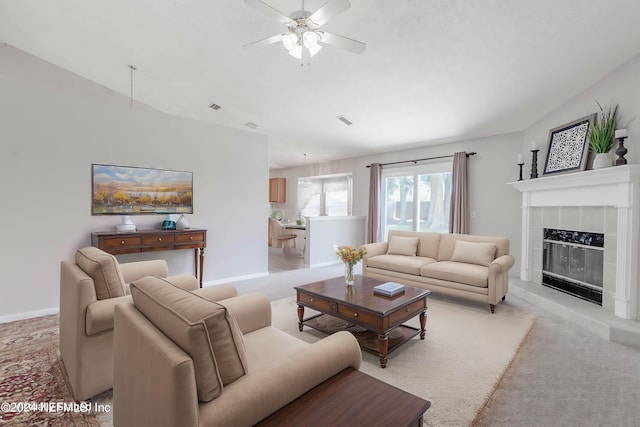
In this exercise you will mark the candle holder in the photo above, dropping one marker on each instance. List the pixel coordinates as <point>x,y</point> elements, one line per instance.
<point>520,164</point>
<point>621,151</point>
<point>534,164</point>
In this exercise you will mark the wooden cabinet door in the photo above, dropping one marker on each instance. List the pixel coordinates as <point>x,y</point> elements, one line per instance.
<point>277,190</point>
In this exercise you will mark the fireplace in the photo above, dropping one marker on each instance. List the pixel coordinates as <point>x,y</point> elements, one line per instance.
<point>573,263</point>
<point>604,202</point>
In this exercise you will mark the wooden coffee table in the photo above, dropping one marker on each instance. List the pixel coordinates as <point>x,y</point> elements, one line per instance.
<point>376,321</point>
<point>351,398</point>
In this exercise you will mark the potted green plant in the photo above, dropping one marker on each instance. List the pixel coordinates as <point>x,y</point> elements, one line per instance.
<point>601,131</point>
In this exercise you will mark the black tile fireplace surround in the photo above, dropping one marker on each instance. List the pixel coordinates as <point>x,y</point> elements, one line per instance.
<point>573,263</point>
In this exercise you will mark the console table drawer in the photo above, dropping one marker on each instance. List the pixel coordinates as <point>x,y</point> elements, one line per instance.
<point>158,239</point>
<point>407,313</point>
<point>314,302</point>
<point>187,239</point>
<point>119,242</point>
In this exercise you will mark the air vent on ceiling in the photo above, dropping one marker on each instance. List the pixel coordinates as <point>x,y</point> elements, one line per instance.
<point>215,107</point>
<point>344,120</point>
<point>251,125</point>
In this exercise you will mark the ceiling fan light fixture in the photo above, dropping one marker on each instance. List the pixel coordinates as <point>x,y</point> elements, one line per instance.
<point>290,41</point>
<point>296,52</point>
<point>310,39</point>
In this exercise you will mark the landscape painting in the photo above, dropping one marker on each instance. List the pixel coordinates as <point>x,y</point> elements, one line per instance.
<point>127,190</point>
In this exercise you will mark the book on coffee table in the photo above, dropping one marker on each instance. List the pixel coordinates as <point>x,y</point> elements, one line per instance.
<point>389,289</point>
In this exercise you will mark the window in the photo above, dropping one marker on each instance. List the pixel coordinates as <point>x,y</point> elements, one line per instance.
<point>328,195</point>
<point>417,198</point>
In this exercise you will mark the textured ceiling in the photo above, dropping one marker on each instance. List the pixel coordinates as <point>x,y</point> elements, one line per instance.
<point>433,71</point>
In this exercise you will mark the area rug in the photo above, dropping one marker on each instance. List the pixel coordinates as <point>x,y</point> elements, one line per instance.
<point>463,357</point>
<point>33,381</point>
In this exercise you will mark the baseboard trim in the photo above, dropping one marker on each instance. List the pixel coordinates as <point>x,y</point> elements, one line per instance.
<point>233,279</point>
<point>29,314</point>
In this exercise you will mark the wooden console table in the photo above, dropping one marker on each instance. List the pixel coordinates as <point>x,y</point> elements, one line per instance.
<point>130,242</point>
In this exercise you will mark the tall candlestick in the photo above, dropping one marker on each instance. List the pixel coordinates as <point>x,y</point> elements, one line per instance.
<point>534,163</point>
<point>621,133</point>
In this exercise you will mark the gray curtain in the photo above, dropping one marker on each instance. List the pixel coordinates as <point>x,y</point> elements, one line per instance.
<point>375,203</point>
<point>459,195</point>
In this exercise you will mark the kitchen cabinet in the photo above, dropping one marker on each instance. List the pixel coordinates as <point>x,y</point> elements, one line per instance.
<point>277,190</point>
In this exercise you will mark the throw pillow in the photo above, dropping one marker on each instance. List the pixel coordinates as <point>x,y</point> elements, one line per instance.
<point>399,245</point>
<point>204,329</point>
<point>104,269</point>
<point>479,253</point>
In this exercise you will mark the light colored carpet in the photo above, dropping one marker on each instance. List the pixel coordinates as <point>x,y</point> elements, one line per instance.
<point>457,366</point>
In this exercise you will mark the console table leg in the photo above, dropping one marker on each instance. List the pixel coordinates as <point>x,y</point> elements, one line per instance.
<point>201,265</point>
<point>300,317</point>
<point>423,324</point>
<point>383,343</point>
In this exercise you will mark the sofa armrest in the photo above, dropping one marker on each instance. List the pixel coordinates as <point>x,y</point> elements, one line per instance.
<point>217,292</point>
<point>255,396</point>
<point>153,379</point>
<point>252,311</point>
<point>501,264</point>
<point>373,249</point>
<point>132,271</point>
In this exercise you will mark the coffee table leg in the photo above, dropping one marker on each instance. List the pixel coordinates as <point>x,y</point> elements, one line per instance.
<point>423,324</point>
<point>383,347</point>
<point>300,317</point>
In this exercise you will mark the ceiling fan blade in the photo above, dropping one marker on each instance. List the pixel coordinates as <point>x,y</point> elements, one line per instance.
<point>264,42</point>
<point>342,42</point>
<point>329,10</point>
<point>262,6</point>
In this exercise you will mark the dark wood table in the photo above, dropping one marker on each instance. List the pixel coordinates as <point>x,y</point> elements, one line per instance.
<point>378,320</point>
<point>351,398</point>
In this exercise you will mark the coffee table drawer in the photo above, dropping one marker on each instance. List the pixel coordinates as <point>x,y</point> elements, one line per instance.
<point>357,315</point>
<point>407,312</point>
<point>314,302</point>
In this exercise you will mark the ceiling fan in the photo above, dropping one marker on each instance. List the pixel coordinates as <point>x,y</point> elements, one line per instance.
<point>303,38</point>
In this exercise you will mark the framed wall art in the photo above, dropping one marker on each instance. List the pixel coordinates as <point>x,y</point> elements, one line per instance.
<point>568,147</point>
<point>127,190</point>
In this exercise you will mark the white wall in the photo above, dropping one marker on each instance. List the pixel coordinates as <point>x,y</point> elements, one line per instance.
<point>496,205</point>
<point>621,87</point>
<point>54,125</point>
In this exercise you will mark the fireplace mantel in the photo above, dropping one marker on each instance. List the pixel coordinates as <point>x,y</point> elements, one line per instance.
<point>618,187</point>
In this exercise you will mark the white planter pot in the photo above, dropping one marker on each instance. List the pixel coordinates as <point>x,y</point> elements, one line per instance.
<point>602,160</point>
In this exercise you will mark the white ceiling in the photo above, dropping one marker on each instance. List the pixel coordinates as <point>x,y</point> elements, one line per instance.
<point>433,71</point>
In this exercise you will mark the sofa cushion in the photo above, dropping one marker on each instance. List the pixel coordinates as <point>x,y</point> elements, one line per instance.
<point>204,329</point>
<point>399,263</point>
<point>399,245</point>
<point>429,242</point>
<point>474,253</point>
<point>468,274</point>
<point>103,268</point>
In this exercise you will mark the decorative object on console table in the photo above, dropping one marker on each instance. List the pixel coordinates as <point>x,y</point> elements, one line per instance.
<point>621,135</point>
<point>534,160</point>
<point>567,147</point>
<point>601,132</point>
<point>520,163</point>
<point>350,257</point>
<point>155,240</point>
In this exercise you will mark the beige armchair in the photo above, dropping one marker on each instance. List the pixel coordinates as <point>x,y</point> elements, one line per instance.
<point>181,359</point>
<point>90,288</point>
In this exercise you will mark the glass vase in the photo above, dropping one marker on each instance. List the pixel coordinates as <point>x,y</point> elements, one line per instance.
<point>348,273</point>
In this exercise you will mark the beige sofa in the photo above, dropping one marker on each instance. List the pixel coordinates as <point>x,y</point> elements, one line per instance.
<point>90,288</point>
<point>461,265</point>
<point>183,360</point>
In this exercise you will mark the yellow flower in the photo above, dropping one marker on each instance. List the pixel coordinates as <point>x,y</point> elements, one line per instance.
<point>351,255</point>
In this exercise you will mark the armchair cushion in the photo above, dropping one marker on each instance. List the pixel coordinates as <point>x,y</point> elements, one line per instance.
<point>204,329</point>
<point>103,268</point>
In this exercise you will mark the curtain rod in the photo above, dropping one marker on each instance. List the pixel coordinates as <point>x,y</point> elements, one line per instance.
<point>473,153</point>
